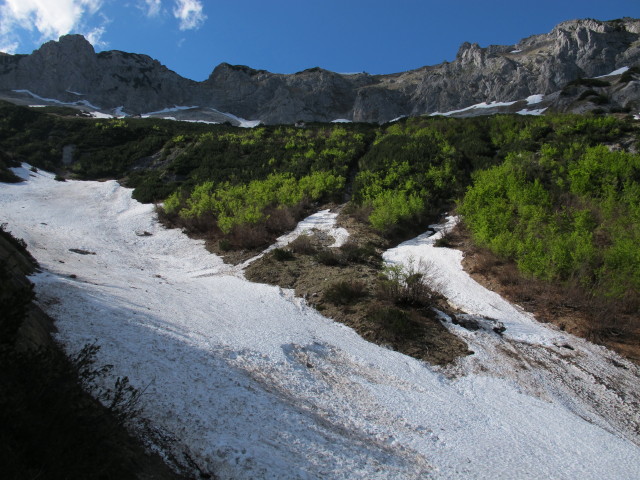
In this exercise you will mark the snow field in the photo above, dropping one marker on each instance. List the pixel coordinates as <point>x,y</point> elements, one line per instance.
<point>253,383</point>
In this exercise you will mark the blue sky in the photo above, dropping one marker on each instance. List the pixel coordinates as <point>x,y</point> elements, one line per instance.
<point>192,36</point>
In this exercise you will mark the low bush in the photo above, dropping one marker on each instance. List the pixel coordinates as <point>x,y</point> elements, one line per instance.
<point>330,257</point>
<point>345,292</point>
<point>355,253</point>
<point>224,244</point>
<point>303,245</point>
<point>410,286</point>
<point>249,236</point>
<point>394,321</point>
<point>282,254</point>
<point>444,240</point>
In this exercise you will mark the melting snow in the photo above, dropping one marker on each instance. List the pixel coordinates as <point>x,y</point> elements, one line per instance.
<point>533,99</point>
<point>243,123</point>
<point>100,115</point>
<point>478,105</point>
<point>253,383</point>
<point>168,110</point>
<point>619,71</point>
<point>538,111</point>
<point>53,100</point>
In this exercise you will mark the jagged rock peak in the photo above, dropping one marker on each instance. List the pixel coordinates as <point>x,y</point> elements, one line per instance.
<point>238,68</point>
<point>621,24</point>
<point>70,45</point>
<point>69,70</point>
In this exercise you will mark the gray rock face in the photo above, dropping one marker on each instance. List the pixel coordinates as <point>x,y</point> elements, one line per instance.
<point>69,70</point>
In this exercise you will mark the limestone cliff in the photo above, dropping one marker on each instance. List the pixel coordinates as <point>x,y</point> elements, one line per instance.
<point>69,70</point>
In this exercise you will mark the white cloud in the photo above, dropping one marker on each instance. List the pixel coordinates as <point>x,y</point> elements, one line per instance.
<point>152,8</point>
<point>48,18</point>
<point>51,18</point>
<point>95,37</point>
<point>190,14</point>
<point>9,47</point>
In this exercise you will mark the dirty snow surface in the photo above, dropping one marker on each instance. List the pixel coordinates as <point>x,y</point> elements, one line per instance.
<point>248,382</point>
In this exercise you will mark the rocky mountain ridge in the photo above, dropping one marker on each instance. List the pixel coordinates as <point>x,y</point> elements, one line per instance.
<point>70,71</point>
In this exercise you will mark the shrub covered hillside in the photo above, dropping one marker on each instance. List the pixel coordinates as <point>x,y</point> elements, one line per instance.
<point>256,183</point>
<point>417,167</point>
<point>567,213</point>
<point>558,194</point>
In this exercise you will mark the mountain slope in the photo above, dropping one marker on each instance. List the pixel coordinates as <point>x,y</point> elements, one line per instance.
<point>540,64</point>
<point>246,381</point>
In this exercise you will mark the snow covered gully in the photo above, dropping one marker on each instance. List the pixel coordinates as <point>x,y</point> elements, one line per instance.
<point>251,383</point>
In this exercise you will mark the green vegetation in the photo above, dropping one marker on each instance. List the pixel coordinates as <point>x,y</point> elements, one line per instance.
<point>233,205</point>
<point>564,215</point>
<point>416,167</point>
<point>542,191</point>
<point>344,292</point>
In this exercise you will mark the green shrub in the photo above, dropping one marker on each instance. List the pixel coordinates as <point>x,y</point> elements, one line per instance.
<point>282,254</point>
<point>234,205</point>
<point>303,244</point>
<point>355,253</point>
<point>394,320</point>
<point>330,257</point>
<point>413,285</point>
<point>345,292</point>
<point>563,216</point>
<point>224,244</point>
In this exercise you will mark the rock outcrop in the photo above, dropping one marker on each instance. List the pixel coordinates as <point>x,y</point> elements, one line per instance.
<point>70,71</point>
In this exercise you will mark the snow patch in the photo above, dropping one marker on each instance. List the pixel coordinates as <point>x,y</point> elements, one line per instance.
<point>175,108</point>
<point>100,115</point>
<point>53,100</point>
<point>476,106</point>
<point>341,120</point>
<point>533,99</point>
<point>619,71</point>
<point>323,221</point>
<point>243,122</point>
<point>538,111</point>
<point>461,290</point>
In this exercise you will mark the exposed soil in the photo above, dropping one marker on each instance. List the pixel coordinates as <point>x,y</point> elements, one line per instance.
<point>412,329</point>
<point>605,323</point>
